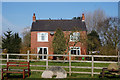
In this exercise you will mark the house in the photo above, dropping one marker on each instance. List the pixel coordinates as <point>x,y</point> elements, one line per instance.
<point>42,34</point>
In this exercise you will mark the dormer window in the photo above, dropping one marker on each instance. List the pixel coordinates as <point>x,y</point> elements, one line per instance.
<point>42,37</point>
<point>75,36</point>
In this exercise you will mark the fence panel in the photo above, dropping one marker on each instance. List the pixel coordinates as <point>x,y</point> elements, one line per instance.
<point>69,61</point>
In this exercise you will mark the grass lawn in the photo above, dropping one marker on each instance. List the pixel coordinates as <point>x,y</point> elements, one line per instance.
<point>37,76</point>
<point>74,75</point>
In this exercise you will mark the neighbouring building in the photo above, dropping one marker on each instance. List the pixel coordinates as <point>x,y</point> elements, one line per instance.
<point>42,34</point>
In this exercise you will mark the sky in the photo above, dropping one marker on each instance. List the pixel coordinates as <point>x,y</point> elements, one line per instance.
<point>18,15</point>
<point>119,10</point>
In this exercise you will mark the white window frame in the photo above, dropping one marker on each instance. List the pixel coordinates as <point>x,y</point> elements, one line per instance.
<point>39,37</point>
<point>76,48</point>
<point>42,52</point>
<point>74,36</point>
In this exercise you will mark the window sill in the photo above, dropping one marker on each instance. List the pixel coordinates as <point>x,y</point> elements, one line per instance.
<point>73,41</point>
<point>42,41</point>
<point>75,55</point>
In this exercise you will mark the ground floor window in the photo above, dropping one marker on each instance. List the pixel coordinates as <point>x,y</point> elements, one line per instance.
<point>42,50</point>
<point>75,51</point>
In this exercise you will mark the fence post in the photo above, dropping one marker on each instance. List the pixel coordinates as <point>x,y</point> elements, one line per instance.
<point>69,63</point>
<point>37,56</point>
<point>47,61</point>
<point>7,57</point>
<point>92,73</point>
<point>28,52</point>
<point>118,59</point>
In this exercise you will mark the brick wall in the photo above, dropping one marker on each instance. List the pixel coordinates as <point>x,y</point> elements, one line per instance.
<point>35,44</point>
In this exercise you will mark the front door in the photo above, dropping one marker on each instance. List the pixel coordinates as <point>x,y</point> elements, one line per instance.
<point>42,50</point>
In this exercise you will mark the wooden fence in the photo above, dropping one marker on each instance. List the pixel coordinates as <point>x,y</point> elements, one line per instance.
<point>70,61</point>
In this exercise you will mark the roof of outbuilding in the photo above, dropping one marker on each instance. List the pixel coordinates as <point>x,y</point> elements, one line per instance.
<point>52,25</point>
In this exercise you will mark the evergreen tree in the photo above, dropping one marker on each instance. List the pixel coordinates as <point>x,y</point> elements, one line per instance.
<point>59,42</point>
<point>11,42</point>
<point>93,41</point>
<point>16,43</point>
<point>7,41</point>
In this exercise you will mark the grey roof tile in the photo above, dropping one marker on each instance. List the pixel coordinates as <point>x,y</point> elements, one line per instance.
<point>52,25</point>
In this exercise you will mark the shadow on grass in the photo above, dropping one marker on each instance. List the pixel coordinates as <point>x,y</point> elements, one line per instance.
<point>110,77</point>
<point>20,77</point>
<point>15,77</point>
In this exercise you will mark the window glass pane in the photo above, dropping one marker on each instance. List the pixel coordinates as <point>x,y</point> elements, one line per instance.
<point>73,52</point>
<point>42,36</point>
<point>46,37</point>
<point>78,52</point>
<point>40,52</point>
<point>45,50</point>
<point>71,37</point>
<point>75,36</point>
<point>78,34</point>
<point>38,36</point>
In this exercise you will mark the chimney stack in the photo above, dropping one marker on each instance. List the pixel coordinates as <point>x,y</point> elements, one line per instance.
<point>34,18</point>
<point>83,17</point>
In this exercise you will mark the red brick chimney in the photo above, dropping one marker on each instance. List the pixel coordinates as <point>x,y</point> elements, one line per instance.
<point>34,18</point>
<point>83,17</point>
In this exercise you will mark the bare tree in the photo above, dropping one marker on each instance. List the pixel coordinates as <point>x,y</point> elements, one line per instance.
<point>107,28</point>
<point>93,18</point>
<point>26,40</point>
<point>89,21</point>
<point>110,33</point>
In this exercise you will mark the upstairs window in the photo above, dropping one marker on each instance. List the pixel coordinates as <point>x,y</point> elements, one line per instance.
<point>42,37</point>
<point>75,36</point>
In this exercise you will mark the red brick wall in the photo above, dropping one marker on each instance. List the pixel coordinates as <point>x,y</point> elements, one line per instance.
<point>35,44</point>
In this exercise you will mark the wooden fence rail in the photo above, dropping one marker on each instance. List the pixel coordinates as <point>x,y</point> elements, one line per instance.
<point>70,61</point>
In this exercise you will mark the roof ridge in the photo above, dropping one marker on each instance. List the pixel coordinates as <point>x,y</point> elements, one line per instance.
<point>55,20</point>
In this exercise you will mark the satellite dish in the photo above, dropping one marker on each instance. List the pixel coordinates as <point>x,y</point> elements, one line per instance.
<point>51,33</point>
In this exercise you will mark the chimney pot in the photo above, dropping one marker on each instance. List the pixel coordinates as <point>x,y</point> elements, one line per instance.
<point>34,14</point>
<point>83,17</point>
<point>34,18</point>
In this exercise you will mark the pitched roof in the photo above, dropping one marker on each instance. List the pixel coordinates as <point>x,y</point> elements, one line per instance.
<point>52,25</point>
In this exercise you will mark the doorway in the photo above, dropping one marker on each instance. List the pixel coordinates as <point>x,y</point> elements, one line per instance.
<point>43,50</point>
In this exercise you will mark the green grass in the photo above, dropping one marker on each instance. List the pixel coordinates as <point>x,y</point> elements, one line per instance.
<point>37,76</point>
<point>74,75</point>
